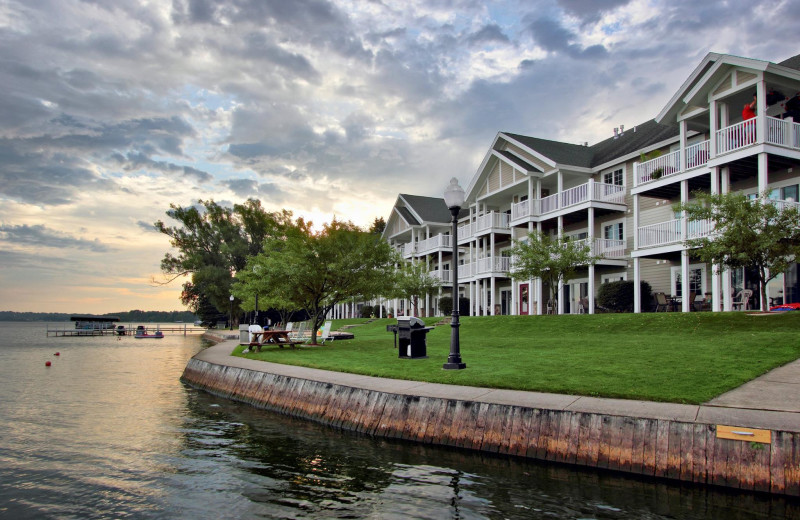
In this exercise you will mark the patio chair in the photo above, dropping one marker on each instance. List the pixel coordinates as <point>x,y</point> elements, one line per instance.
<point>297,334</point>
<point>661,301</point>
<point>323,334</point>
<point>741,301</point>
<point>583,306</point>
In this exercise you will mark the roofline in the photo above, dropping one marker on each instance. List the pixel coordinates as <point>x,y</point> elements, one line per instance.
<point>531,150</point>
<point>711,56</point>
<point>477,173</point>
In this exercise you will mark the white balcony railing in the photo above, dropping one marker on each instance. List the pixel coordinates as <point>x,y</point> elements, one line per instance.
<point>591,191</point>
<point>493,264</point>
<point>492,220</point>
<point>697,155</point>
<point>434,243</point>
<point>662,166</point>
<point>736,136</point>
<point>445,275</point>
<point>670,232</point>
<point>409,249</point>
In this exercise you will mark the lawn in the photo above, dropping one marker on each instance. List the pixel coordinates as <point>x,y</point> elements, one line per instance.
<point>674,357</point>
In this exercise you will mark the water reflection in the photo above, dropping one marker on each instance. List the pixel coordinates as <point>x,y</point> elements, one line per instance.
<point>109,432</point>
<point>298,469</point>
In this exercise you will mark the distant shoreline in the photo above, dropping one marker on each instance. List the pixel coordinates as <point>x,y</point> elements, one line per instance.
<point>127,316</point>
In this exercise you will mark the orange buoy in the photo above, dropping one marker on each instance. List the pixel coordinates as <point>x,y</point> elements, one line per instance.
<point>47,364</point>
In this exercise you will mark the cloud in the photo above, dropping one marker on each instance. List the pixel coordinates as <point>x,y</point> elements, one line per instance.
<point>41,236</point>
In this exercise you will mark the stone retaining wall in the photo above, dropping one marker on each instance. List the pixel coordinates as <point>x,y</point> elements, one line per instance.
<point>656,447</point>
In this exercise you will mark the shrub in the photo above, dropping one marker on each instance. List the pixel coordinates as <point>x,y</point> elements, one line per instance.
<point>367,311</point>
<point>446,305</point>
<point>618,296</point>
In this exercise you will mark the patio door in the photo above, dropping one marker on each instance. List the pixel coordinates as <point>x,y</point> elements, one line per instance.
<point>523,299</point>
<point>505,302</point>
<point>573,292</point>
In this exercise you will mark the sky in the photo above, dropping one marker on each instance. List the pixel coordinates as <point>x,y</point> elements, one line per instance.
<point>111,110</point>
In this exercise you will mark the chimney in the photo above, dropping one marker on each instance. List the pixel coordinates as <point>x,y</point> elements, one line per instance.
<point>621,128</point>
<point>586,143</point>
<point>615,132</point>
<point>634,129</point>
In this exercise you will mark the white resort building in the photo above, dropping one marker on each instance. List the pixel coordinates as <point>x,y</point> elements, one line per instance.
<point>620,204</point>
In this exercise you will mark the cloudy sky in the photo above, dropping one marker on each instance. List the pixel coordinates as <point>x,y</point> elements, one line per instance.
<point>110,110</point>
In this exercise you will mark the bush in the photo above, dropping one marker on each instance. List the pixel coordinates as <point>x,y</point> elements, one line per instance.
<point>367,311</point>
<point>618,296</point>
<point>446,305</point>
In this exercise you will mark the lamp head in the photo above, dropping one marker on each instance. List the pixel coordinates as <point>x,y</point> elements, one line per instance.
<point>231,297</point>
<point>454,195</point>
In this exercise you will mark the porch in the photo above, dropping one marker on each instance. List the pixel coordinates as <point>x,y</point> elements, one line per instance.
<point>569,198</point>
<point>779,132</point>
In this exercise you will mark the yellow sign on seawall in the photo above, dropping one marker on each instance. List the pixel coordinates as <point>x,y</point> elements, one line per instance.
<point>744,434</point>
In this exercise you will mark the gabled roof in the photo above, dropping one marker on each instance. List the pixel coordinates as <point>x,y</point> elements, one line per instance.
<point>792,63</point>
<point>407,216</point>
<point>628,142</point>
<point>632,140</point>
<point>428,209</point>
<point>558,152</point>
<point>518,161</point>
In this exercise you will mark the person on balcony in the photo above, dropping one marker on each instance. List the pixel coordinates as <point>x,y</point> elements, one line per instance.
<point>749,110</point>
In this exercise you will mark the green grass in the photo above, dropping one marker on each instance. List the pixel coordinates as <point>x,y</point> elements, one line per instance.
<point>674,357</point>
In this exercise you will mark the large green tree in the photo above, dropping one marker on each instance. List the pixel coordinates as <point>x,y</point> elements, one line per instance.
<point>750,233</point>
<point>213,242</point>
<point>415,282</point>
<point>554,259</point>
<point>314,271</point>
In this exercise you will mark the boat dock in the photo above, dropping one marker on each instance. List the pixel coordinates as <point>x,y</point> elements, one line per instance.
<point>130,330</point>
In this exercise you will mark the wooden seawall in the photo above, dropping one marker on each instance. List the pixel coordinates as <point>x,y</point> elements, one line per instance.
<point>767,460</point>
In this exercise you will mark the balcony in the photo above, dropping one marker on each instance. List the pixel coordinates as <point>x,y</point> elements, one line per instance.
<point>490,222</point>
<point>729,139</point>
<point>605,247</point>
<point>434,244</point>
<point>572,197</point>
<point>671,232</point>
<point>445,275</point>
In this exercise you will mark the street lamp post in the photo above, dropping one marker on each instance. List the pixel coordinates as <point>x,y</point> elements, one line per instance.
<point>231,317</point>
<point>454,198</point>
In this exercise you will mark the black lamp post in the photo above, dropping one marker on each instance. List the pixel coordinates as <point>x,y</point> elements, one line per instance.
<point>231,318</point>
<point>454,198</point>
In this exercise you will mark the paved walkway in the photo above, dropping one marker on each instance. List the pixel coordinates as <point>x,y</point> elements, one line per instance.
<point>772,401</point>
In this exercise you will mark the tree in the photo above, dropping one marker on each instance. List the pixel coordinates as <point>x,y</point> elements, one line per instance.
<point>213,243</point>
<point>315,271</point>
<point>748,233</point>
<point>413,282</point>
<point>378,226</point>
<point>554,259</point>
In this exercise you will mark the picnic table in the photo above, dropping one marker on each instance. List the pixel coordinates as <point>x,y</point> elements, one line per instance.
<point>272,337</point>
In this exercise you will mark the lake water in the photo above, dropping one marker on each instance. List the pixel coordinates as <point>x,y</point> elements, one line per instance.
<point>109,431</point>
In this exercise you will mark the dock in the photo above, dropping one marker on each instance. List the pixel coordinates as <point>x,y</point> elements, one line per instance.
<point>130,330</point>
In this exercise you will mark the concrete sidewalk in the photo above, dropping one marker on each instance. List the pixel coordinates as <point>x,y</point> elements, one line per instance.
<point>771,401</point>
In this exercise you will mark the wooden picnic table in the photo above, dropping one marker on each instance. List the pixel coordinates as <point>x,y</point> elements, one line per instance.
<point>272,337</point>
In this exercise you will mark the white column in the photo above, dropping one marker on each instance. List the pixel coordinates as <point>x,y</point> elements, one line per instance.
<point>727,283</point>
<point>684,252</point>
<point>637,286</point>
<point>685,303</point>
<point>684,126</point>
<point>493,294</point>
<point>763,180</point>
<point>716,279</point>
<point>591,289</point>
<point>761,111</point>
<point>713,115</point>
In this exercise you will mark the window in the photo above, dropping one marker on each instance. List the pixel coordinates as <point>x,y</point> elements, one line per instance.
<point>697,280</point>
<point>574,237</point>
<point>616,178</point>
<point>614,231</point>
<point>613,277</point>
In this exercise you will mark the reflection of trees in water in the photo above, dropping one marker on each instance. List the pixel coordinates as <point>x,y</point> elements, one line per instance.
<point>297,464</point>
